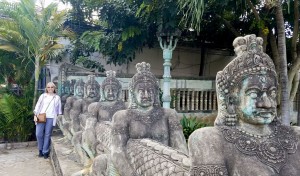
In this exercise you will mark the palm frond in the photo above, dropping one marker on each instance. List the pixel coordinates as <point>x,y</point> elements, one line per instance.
<point>192,12</point>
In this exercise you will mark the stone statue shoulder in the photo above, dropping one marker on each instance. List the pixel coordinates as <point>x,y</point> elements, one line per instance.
<point>93,107</point>
<point>119,122</point>
<point>70,99</point>
<point>121,116</point>
<point>173,118</point>
<point>170,112</point>
<point>204,146</point>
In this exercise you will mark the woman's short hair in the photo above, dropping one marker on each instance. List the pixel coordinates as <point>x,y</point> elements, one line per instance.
<point>50,84</point>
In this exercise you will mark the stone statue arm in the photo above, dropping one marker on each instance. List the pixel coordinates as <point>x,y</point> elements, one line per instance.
<point>177,139</point>
<point>93,110</point>
<point>120,137</point>
<point>206,153</point>
<point>68,104</point>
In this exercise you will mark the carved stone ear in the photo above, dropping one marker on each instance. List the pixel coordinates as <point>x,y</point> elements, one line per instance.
<point>231,104</point>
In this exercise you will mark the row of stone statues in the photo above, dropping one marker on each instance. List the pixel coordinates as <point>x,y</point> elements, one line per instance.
<point>146,139</point>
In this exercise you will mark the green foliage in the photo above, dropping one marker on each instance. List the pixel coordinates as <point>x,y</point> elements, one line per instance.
<point>87,63</point>
<point>125,27</point>
<point>16,116</point>
<point>190,124</point>
<point>193,12</point>
<point>13,70</point>
<point>32,34</point>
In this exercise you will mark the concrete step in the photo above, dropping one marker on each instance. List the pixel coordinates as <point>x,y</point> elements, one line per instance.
<point>64,161</point>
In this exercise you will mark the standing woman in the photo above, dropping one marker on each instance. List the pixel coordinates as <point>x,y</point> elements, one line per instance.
<point>50,104</point>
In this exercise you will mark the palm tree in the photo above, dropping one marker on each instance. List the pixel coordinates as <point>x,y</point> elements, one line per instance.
<point>32,34</point>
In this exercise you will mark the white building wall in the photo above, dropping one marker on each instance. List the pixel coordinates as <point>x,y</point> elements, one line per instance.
<point>185,63</point>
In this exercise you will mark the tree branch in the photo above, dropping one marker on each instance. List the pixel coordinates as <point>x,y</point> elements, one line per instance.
<point>258,19</point>
<point>229,26</point>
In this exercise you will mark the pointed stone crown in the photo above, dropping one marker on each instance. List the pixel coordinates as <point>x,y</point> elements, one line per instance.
<point>144,75</point>
<point>250,60</point>
<point>110,74</point>
<point>111,80</point>
<point>79,82</point>
<point>92,81</point>
<point>143,67</point>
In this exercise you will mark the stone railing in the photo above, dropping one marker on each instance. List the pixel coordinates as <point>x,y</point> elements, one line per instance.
<point>193,100</point>
<point>189,100</point>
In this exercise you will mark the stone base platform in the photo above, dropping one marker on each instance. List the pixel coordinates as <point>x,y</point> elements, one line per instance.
<point>63,159</point>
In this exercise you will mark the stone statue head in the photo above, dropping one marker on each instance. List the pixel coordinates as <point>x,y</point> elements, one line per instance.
<point>247,86</point>
<point>79,88</point>
<point>111,88</point>
<point>66,87</point>
<point>91,87</point>
<point>143,88</point>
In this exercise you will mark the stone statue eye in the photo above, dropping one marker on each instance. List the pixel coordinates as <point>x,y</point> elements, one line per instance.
<point>273,93</point>
<point>252,93</point>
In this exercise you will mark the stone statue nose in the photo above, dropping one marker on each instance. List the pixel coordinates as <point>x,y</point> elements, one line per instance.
<point>146,93</point>
<point>265,101</point>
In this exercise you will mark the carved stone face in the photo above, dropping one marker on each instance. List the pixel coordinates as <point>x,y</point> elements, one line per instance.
<point>257,99</point>
<point>91,91</point>
<point>110,92</point>
<point>66,89</point>
<point>79,91</point>
<point>144,94</point>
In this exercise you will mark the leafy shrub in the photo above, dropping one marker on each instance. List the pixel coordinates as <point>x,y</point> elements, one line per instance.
<point>190,124</point>
<point>16,117</point>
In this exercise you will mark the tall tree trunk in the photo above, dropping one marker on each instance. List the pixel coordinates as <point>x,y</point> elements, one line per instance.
<point>36,80</point>
<point>276,60</point>
<point>293,72</point>
<point>285,114</point>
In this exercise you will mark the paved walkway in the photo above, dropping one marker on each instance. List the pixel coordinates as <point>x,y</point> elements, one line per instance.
<point>24,162</point>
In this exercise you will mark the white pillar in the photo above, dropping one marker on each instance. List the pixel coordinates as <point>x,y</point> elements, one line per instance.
<point>167,47</point>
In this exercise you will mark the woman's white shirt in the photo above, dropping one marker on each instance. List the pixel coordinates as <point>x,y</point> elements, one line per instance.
<point>48,102</point>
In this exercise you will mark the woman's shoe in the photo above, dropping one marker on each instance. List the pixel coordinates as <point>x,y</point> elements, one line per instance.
<point>40,153</point>
<point>46,155</point>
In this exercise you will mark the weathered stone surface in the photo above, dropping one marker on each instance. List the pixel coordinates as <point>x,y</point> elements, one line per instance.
<point>248,137</point>
<point>64,162</point>
<point>145,118</point>
<point>94,135</point>
<point>64,122</point>
<point>148,157</point>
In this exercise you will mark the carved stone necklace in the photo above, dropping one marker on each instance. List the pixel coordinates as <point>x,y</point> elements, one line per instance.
<point>148,117</point>
<point>271,150</point>
<point>113,107</point>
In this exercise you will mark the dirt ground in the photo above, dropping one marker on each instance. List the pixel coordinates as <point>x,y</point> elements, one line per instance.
<point>24,162</point>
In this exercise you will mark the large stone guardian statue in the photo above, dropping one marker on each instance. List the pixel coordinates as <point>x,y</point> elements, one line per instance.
<point>80,106</point>
<point>102,112</point>
<point>79,115</point>
<point>65,92</point>
<point>65,120</point>
<point>145,118</point>
<point>248,138</point>
<point>96,138</point>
